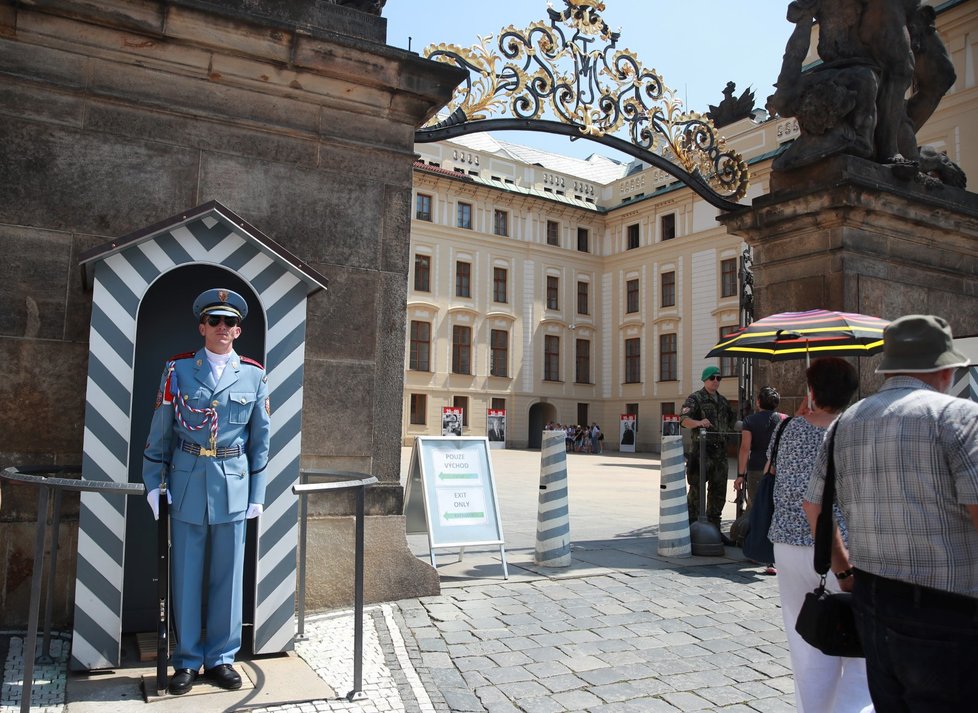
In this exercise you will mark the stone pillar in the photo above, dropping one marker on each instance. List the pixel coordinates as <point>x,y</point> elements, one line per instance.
<point>844,234</point>
<point>298,117</point>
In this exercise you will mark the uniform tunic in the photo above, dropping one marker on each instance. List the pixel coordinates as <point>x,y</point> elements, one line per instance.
<point>210,494</point>
<point>699,405</point>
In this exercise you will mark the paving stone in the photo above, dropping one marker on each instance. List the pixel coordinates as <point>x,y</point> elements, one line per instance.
<point>577,700</point>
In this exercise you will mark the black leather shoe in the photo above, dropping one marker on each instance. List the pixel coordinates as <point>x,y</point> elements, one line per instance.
<point>182,681</point>
<point>224,676</point>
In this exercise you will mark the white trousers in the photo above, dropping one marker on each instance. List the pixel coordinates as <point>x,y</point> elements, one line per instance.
<point>823,684</point>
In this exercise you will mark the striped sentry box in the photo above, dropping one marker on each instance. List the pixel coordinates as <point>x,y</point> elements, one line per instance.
<point>673,510</point>
<point>120,275</point>
<point>553,515</point>
<point>965,383</point>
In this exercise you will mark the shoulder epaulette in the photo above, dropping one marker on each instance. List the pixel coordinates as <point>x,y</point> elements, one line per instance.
<point>185,355</point>
<point>249,360</point>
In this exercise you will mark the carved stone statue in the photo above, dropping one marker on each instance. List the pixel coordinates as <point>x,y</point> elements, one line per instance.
<point>854,102</point>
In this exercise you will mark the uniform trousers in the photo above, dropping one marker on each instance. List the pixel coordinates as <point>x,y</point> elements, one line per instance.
<point>717,477</point>
<point>225,585</point>
<point>823,684</point>
<point>921,645</point>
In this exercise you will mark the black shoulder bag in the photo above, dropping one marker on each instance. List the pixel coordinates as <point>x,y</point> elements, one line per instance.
<point>757,546</point>
<point>826,619</point>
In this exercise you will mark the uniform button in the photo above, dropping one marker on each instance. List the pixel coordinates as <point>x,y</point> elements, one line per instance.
<point>214,403</point>
<point>243,400</point>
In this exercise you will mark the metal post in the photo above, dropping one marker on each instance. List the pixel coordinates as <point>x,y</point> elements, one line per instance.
<point>346,479</point>
<point>357,693</point>
<point>45,656</point>
<point>30,644</point>
<point>703,534</point>
<point>702,515</point>
<point>303,512</point>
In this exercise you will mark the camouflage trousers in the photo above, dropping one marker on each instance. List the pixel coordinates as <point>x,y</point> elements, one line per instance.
<point>716,484</point>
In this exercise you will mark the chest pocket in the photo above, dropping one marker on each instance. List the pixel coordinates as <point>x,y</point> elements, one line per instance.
<point>240,404</point>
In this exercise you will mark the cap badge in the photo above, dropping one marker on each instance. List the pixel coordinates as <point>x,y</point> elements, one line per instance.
<point>222,295</point>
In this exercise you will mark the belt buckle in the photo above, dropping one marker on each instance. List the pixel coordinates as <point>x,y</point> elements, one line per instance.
<point>208,452</point>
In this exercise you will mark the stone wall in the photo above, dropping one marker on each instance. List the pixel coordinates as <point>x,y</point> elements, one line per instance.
<point>115,115</point>
<point>845,234</point>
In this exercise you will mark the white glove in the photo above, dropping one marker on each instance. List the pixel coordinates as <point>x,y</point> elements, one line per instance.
<point>153,498</point>
<point>254,510</point>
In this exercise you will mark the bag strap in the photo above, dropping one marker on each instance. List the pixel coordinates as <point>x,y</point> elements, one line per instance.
<point>824,527</point>
<point>777,441</point>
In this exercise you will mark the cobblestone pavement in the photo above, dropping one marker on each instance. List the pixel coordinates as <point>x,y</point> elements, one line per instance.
<point>620,630</point>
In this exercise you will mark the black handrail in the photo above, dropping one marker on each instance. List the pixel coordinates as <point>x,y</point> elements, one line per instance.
<point>342,479</point>
<point>40,476</point>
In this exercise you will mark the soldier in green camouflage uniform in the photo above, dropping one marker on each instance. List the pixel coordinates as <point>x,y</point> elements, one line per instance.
<point>708,409</point>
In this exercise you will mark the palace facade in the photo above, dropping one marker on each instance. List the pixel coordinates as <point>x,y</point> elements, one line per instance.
<point>574,291</point>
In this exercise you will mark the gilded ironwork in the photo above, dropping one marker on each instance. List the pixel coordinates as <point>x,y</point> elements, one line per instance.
<point>596,88</point>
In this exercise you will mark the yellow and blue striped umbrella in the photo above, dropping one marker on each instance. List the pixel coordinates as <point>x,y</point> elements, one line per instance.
<point>803,335</point>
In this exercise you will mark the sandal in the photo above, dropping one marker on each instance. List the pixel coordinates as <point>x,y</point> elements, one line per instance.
<point>770,569</point>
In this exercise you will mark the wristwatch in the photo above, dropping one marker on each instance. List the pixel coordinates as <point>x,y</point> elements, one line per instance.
<point>845,574</point>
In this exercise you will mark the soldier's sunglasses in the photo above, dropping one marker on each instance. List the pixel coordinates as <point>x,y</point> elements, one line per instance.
<point>217,319</point>
<point>714,378</point>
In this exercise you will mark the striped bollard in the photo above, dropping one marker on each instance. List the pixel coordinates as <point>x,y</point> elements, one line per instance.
<point>673,510</point>
<point>553,517</point>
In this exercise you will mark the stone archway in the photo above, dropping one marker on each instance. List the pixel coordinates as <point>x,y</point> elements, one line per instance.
<point>540,415</point>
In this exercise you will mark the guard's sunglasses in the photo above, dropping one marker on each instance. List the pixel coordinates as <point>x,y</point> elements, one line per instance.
<point>215,320</point>
<point>714,378</point>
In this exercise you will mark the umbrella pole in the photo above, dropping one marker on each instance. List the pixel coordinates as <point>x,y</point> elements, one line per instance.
<point>808,363</point>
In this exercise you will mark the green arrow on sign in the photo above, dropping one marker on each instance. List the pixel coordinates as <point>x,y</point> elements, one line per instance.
<point>460,515</point>
<point>458,476</point>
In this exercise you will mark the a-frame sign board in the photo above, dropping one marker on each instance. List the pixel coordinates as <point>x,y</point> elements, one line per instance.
<point>451,495</point>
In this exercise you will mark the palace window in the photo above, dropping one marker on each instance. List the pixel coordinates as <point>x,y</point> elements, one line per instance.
<point>463,279</point>
<point>500,222</point>
<point>582,361</point>
<point>633,361</point>
<point>632,236</point>
<point>499,280</point>
<point>499,353</point>
<point>553,284</point>
<point>553,232</point>
<point>583,298</point>
<point>420,346</point>
<point>667,358</point>
<point>631,296</point>
<point>668,289</point>
<point>423,207</point>
<point>728,277</point>
<point>419,406</point>
<point>667,224</point>
<point>551,358</point>
<point>582,240</point>
<point>465,215</point>
<point>461,350</point>
<point>422,273</point>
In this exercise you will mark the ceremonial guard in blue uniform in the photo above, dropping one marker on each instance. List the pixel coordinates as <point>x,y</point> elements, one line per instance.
<point>210,431</point>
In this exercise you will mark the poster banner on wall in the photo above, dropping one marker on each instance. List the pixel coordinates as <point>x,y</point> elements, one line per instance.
<point>451,421</point>
<point>496,427</point>
<point>627,432</point>
<point>670,424</point>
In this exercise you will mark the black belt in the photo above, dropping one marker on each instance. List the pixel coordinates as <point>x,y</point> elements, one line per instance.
<point>196,450</point>
<point>920,595</point>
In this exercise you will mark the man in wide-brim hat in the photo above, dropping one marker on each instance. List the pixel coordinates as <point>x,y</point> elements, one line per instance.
<point>906,463</point>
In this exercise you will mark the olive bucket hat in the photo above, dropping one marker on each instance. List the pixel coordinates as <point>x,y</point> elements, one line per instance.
<point>919,343</point>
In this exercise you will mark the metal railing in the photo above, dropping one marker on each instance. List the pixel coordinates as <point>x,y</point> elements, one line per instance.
<point>48,479</point>
<point>340,480</point>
